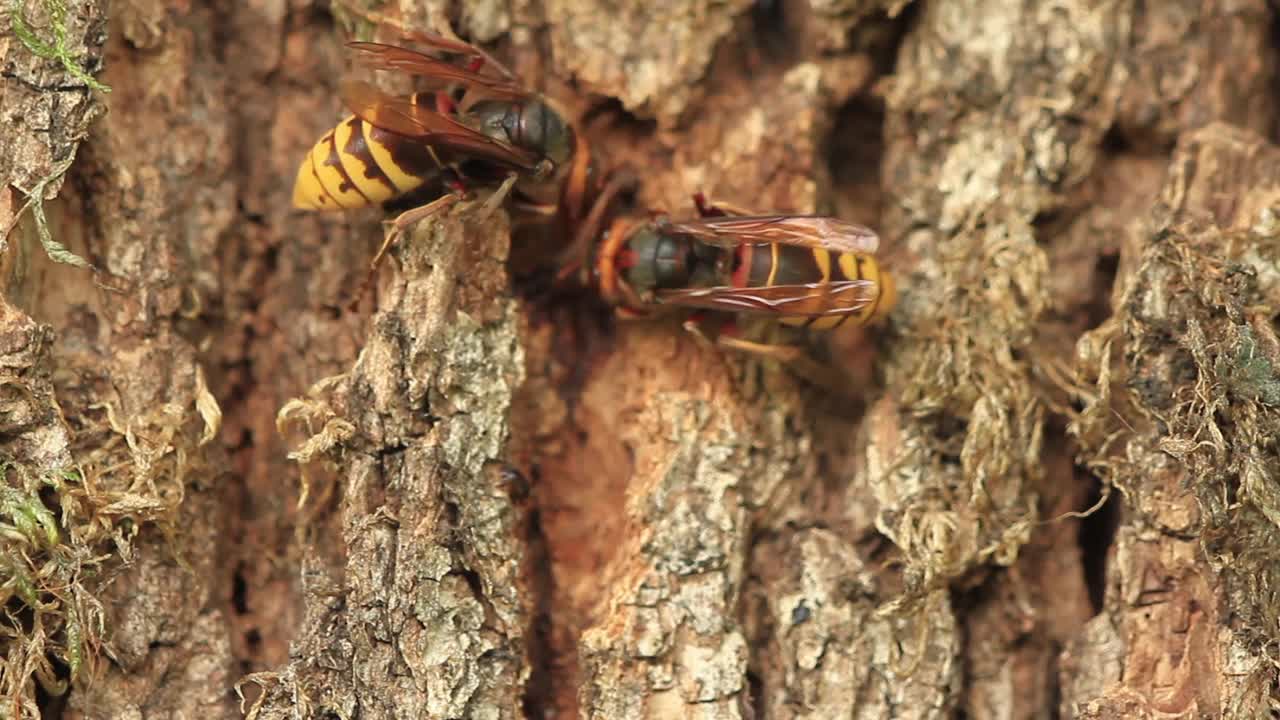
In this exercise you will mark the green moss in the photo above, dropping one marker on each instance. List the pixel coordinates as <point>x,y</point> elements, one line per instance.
<point>1248,372</point>
<point>47,576</point>
<point>24,518</point>
<point>54,48</point>
<point>1195,331</point>
<point>35,202</point>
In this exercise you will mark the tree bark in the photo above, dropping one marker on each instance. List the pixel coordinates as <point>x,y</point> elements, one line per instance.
<point>1048,488</point>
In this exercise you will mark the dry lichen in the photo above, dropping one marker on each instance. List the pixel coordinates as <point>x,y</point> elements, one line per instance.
<point>1223,426</point>
<point>1189,359</point>
<point>57,576</point>
<point>650,56</point>
<point>959,488</point>
<point>76,490</point>
<point>979,147</point>
<point>667,640</point>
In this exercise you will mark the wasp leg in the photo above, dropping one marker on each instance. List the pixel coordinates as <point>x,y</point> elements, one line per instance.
<point>408,219</point>
<point>797,360</point>
<point>494,201</point>
<point>397,228</point>
<point>707,208</point>
<point>793,357</point>
<point>781,353</point>
<point>575,257</point>
<point>693,326</point>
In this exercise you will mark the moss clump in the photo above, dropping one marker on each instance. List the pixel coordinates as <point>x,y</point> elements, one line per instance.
<point>53,623</point>
<point>35,202</point>
<point>1249,372</point>
<point>962,488</point>
<point>54,48</point>
<point>1198,384</point>
<point>67,531</point>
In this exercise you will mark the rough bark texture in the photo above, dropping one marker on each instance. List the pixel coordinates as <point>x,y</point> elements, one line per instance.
<point>1049,487</point>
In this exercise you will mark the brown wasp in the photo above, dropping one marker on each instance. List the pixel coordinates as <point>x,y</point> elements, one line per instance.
<point>477,126</point>
<point>803,270</point>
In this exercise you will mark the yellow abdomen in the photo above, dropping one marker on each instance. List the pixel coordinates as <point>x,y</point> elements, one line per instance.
<point>846,266</point>
<point>356,165</point>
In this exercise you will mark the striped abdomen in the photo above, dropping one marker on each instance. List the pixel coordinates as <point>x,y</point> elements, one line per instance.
<point>768,264</point>
<point>357,165</point>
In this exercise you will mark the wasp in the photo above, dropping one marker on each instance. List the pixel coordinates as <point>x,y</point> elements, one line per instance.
<point>802,270</point>
<point>476,127</point>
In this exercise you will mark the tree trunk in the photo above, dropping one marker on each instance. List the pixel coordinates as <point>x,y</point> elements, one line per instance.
<point>1050,487</point>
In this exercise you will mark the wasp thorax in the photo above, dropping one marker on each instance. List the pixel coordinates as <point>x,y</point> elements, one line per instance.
<point>532,125</point>
<point>653,260</point>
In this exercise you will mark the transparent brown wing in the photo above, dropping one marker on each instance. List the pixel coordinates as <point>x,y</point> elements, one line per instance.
<point>843,297</point>
<point>394,58</point>
<point>446,45</point>
<point>809,231</point>
<point>401,116</point>
<point>458,47</point>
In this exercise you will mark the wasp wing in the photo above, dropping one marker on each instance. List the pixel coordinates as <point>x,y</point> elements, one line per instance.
<point>444,44</point>
<point>380,56</point>
<point>842,297</point>
<point>400,115</point>
<point>808,231</point>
